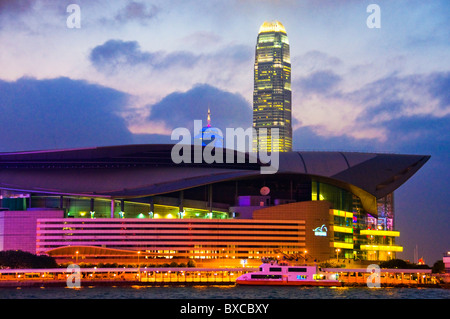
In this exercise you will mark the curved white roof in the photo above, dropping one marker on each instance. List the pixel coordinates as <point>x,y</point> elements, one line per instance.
<point>143,170</point>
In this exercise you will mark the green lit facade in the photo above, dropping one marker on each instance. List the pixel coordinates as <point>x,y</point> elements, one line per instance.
<point>272,97</point>
<point>357,233</point>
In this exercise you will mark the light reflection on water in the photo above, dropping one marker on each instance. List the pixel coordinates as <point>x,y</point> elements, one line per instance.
<point>223,292</point>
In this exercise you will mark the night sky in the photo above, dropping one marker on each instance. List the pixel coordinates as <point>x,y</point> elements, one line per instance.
<point>135,70</point>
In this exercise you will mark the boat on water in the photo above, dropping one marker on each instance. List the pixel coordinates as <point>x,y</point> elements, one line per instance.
<point>283,274</point>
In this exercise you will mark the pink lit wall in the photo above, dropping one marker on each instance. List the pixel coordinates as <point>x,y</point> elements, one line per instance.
<point>18,228</point>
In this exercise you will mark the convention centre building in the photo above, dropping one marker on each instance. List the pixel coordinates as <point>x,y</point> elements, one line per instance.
<point>132,202</point>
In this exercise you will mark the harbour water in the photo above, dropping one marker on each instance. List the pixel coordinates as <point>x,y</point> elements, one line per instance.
<point>222,292</point>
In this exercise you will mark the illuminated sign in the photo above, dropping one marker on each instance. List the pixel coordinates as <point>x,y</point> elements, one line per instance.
<point>320,231</point>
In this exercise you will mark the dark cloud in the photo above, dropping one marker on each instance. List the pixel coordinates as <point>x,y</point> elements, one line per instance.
<point>115,54</point>
<point>386,107</point>
<point>420,132</point>
<point>15,6</point>
<point>318,82</point>
<point>439,86</point>
<point>60,113</point>
<point>394,95</point>
<point>137,11</point>
<point>12,12</point>
<point>181,109</point>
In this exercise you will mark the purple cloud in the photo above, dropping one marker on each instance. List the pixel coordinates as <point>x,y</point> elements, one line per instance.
<point>60,113</point>
<point>180,109</point>
<point>137,11</point>
<point>115,54</point>
<point>318,82</point>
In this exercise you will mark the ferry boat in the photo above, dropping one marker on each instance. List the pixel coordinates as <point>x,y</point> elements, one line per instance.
<point>283,274</point>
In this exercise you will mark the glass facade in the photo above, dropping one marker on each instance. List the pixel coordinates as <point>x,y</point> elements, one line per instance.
<point>13,201</point>
<point>357,234</point>
<point>385,208</point>
<point>272,89</point>
<point>340,198</point>
<point>76,207</point>
<point>380,233</point>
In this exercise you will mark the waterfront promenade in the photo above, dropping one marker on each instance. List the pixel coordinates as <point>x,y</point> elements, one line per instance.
<point>121,276</point>
<point>60,277</point>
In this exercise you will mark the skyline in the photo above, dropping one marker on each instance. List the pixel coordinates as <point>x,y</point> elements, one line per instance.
<point>143,68</point>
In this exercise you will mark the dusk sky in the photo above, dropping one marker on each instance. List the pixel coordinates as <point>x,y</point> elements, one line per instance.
<point>135,70</point>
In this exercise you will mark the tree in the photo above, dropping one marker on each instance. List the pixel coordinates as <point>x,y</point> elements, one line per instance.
<point>395,263</point>
<point>17,259</point>
<point>438,267</point>
<point>401,264</point>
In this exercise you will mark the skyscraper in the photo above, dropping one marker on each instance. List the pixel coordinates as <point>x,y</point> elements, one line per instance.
<point>272,88</point>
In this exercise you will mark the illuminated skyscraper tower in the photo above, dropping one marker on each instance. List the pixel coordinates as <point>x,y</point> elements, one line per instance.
<point>210,134</point>
<point>272,88</point>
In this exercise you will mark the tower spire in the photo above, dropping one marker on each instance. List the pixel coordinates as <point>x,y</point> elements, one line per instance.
<point>209,117</point>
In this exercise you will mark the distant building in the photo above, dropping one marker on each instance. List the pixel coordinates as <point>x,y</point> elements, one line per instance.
<point>272,106</point>
<point>209,135</point>
<point>446,261</point>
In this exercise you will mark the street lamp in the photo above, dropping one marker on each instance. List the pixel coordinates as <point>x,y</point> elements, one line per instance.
<point>337,254</point>
<point>76,256</point>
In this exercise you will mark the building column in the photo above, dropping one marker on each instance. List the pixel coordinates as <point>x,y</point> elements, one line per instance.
<point>210,190</point>
<point>318,190</point>
<point>113,205</point>
<point>29,201</point>
<point>92,211</point>
<point>152,207</point>
<point>180,204</point>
